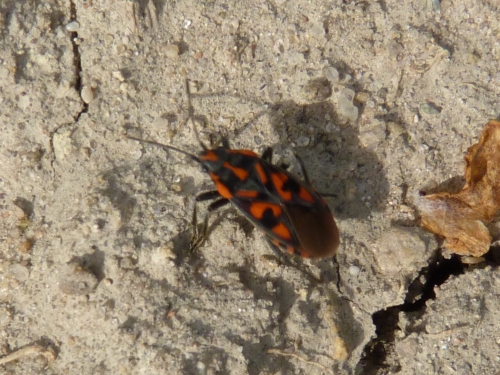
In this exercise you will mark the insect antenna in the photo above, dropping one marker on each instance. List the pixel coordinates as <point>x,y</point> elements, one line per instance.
<point>190,117</point>
<point>191,114</point>
<point>194,157</point>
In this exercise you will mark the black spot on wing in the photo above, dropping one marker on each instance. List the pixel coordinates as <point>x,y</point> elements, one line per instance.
<point>228,179</point>
<point>242,161</point>
<point>293,185</point>
<point>268,220</point>
<point>233,182</point>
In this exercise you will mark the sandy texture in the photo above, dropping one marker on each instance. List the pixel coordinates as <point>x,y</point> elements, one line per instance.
<point>94,274</point>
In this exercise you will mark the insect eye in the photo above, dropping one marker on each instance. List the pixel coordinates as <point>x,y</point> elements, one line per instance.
<point>204,169</point>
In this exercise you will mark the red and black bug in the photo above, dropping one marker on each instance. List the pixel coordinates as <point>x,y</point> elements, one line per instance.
<point>290,213</point>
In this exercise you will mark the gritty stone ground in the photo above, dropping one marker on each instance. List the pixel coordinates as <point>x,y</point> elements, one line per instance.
<point>379,98</point>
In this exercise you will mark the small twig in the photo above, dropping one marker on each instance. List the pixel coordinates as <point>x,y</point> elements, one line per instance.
<point>279,352</point>
<point>33,349</point>
<point>447,332</point>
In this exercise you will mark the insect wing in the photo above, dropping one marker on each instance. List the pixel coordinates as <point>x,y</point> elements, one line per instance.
<point>311,221</point>
<point>315,229</point>
<point>269,215</point>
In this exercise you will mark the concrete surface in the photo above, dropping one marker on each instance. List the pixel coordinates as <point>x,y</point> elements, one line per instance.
<point>94,274</point>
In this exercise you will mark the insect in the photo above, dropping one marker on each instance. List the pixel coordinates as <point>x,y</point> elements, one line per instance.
<point>291,214</point>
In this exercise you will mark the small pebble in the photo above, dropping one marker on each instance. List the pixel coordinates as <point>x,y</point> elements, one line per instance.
<point>62,144</point>
<point>127,263</point>
<point>86,152</point>
<point>19,272</point>
<point>331,74</point>
<point>317,31</point>
<point>73,26</point>
<point>87,94</point>
<point>345,106</point>
<point>354,271</point>
<point>116,220</point>
<point>76,280</point>
<point>172,51</point>
<point>127,88</point>
<point>348,94</point>
<point>431,108</point>
<point>137,154</point>
<point>118,75</point>
<point>471,260</point>
<point>176,187</point>
<point>201,367</point>
<point>303,141</point>
<point>120,49</point>
<point>330,127</point>
<point>159,209</point>
<point>25,246</point>
<point>372,134</point>
<point>166,251</point>
<point>362,97</point>
<point>408,348</point>
<point>395,129</point>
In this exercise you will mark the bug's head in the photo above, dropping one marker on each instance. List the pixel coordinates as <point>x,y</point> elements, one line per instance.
<point>212,160</point>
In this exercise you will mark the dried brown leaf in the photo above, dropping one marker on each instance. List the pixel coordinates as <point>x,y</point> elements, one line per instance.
<point>460,217</point>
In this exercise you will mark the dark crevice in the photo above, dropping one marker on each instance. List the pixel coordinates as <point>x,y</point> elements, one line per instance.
<point>421,290</point>
<point>77,67</point>
<point>438,271</point>
<point>77,59</point>
<point>492,257</point>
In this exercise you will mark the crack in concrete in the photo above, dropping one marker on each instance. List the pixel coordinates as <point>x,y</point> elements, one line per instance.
<point>77,60</point>
<point>375,353</point>
<point>77,66</point>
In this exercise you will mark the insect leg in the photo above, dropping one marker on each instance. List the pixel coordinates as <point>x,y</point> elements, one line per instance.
<point>283,258</point>
<point>277,251</point>
<point>328,194</point>
<point>217,204</point>
<point>306,177</point>
<point>207,196</point>
<point>303,168</point>
<point>267,155</point>
<point>191,115</point>
<point>201,232</point>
